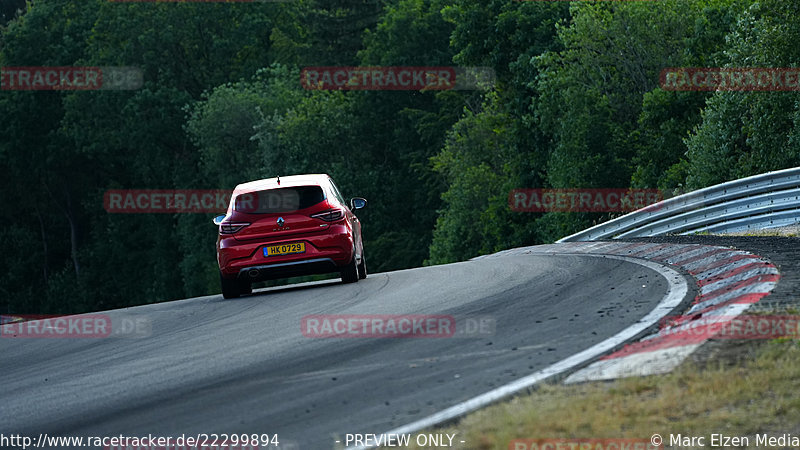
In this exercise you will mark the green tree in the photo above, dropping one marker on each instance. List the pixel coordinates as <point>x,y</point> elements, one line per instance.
<point>744,133</point>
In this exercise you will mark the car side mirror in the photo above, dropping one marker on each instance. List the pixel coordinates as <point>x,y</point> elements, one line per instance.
<point>218,220</point>
<point>357,203</point>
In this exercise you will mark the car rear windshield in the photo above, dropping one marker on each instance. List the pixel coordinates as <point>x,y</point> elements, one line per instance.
<point>281,200</point>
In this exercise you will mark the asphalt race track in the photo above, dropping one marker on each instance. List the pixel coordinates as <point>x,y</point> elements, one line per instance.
<point>234,366</point>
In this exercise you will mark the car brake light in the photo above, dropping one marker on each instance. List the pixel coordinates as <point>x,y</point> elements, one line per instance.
<point>330,215</point>
<point>230,228</point>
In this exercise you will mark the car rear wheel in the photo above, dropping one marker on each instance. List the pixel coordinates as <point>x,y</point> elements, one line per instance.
<point>362,268</point>
<point>350,272</point>
<point>230,288</point>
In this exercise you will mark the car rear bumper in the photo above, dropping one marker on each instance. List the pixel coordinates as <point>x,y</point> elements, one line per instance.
<point>325,253</point>
<point>288,269</point>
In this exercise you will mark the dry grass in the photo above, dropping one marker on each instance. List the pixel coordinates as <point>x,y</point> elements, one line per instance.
<point>791,231</point>
<point>756,397</point>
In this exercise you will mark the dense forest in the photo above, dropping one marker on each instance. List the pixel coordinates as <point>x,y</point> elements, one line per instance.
<point>576,103</point>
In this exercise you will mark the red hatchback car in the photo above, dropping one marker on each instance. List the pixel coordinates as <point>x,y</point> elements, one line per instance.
<point>288,226</point>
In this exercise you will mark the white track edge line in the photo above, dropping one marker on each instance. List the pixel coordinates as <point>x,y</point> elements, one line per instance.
<point>677,290</point>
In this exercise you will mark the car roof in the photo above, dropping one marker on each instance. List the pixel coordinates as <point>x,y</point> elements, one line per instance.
<point>287,181</point>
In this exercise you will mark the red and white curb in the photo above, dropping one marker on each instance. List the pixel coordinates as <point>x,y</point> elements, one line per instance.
<point>677,289</point>
<point>729,282</point>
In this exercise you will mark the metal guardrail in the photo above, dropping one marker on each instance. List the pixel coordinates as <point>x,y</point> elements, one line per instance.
<point>763,201</point>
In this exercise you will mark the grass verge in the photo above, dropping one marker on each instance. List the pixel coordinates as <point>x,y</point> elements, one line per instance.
<point>790,231</point>
<point>754,396</point>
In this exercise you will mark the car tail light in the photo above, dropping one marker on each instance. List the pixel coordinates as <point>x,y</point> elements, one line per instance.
<point>331,215</point>
<point>230,228</point>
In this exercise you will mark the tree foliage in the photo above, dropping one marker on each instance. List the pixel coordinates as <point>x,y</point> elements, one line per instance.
<point>576,102</point>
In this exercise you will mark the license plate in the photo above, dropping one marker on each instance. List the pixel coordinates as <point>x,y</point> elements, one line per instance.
<point>285,249</point>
